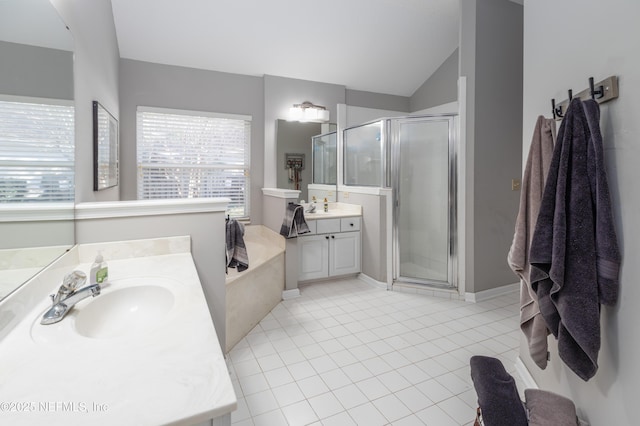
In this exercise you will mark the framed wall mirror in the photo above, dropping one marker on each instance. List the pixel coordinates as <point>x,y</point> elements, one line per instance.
<point>105,148</point>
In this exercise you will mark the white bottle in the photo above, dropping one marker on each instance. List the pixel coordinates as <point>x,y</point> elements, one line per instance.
<point>99,270</point>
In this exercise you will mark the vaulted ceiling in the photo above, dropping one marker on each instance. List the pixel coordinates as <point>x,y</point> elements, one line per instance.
<point>383,46</point>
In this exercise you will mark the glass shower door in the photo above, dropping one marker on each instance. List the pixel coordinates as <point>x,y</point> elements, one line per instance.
<point>424,191</point>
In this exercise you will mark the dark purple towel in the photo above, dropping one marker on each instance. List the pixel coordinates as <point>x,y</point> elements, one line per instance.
<point>574,253</point>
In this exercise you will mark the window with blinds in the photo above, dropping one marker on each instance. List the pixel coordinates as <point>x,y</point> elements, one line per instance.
<point>187,154</point>
<point>36,150</point>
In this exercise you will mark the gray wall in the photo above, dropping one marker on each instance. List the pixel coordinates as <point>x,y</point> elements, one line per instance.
<point>95,70</point>
<point>35,71</point>
<point>552,67</point>
<point>440,88</point>
<point>376,100</point>
<point>493,66</point>
<point>166,86</point>
<point>280,94</point>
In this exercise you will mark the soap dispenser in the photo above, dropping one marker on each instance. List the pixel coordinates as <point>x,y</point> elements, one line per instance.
<point>326,205</point>
<point>99,270</point>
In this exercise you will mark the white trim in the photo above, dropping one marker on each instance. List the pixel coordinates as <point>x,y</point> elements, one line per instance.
<point>461,170</point>
<point>448,108</point>
<point>33,212</point>
<point>523,372</point>
<point>290,294</point>
<point>281,193</point>
<point>109,209</point>
<point>35,100</point>
<point>492,293</point>
<point>375,283</point>
<point>371,190</point>
<point>193,113</point>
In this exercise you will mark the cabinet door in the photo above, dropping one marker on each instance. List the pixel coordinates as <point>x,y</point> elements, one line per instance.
<point>313,257</point>
<point>344,253</point>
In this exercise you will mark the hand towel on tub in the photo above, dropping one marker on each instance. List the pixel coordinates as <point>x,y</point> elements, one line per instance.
<point>294,223</point>
<point>535,174</point>
<point>236,250</point>
<point>574,251</point>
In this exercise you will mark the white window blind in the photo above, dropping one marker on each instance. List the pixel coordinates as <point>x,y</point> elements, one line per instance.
<point>36,151</point>
<point>186,154</point>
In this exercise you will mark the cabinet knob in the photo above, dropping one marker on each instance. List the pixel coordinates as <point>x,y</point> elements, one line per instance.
<point>333,236</point>
<point>327,237</point>
<point>351,224</point>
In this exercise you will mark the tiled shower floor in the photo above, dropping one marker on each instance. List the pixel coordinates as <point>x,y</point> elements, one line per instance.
<point>346,353</point>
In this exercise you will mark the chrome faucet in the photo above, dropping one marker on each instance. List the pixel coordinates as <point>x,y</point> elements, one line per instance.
<point>68,296</point>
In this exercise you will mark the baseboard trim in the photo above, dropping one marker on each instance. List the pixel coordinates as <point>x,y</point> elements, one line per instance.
<point>523,372</point>
<point>375,283</point>
<point>492,293</point>
<point>290,294</point>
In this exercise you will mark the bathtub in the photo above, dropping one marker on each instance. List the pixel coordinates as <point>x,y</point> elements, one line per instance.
<point>253,293</point>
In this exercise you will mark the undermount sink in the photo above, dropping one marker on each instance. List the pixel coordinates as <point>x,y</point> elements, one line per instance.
<point>124,311</point>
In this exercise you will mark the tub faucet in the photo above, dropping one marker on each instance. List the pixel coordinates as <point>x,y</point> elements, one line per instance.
<point>68,296</point>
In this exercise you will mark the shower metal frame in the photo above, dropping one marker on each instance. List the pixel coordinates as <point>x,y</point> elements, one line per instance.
<point>393,156</point>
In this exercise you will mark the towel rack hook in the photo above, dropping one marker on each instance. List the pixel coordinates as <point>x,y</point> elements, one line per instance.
<point>599,92</point>
<point>557,111</point>
<point>570,95</point>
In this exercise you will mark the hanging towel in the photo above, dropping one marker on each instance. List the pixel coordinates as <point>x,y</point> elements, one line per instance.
<point>294,223</point>
<point>535,174</point>
<point>236,250</point>
<point>574,253</point>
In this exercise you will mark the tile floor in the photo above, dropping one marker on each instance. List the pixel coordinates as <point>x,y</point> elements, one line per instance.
<point>346,353</point>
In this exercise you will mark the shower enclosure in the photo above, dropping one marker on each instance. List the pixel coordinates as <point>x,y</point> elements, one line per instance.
<point>416,157</point>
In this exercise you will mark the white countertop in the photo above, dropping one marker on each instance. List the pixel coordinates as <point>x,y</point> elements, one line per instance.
<point>336,211</point>
<point>172,373</point>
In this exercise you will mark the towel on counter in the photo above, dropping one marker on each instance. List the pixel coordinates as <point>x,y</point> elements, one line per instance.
<point>535,174</point>
<point>236,250</point>
<point>574,252</point>
<point>294,223</point>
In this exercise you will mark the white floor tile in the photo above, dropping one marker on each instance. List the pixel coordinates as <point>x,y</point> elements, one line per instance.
<point>325,405</point>
<point>261,402</point>
<point>368,415</point>
<point>341,419</point>
<point>434,415</point>
<point>287,394</point>
<point>350,396</point>
<point>272,418</point>
<point>300,413</point>
<point>346,353</point>
<point>372,388</point>
<point>278,377</point>
<point>391,407</point>
<point>312,386</point>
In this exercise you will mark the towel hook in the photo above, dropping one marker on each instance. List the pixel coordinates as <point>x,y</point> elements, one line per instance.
<point>557,111</point>
<point>599,92</point>
<point>570,95</point>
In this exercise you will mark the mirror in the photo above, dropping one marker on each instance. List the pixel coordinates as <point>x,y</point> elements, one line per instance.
<point>295,159</point>
<point>37,134</point>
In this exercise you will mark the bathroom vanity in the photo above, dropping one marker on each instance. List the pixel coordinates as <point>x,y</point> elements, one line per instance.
<point>143,352</point>
<point>333,247</point>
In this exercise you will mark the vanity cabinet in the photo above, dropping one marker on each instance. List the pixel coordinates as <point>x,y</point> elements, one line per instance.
<point>331,249</point>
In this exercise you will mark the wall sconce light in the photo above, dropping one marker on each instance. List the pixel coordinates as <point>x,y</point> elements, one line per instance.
<point>307,111</point>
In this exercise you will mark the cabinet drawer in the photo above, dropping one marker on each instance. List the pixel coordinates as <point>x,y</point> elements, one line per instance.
<point>312,227</point>
<point>349,224</point>
<point>327,226</point>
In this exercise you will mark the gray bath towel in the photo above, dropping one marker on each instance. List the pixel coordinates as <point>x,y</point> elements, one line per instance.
<point>574,252</point>
<point>294,223</point>
<point>535,174</point>
<point>236,250</point>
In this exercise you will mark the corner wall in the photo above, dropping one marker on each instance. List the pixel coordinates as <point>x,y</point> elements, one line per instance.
<point>440,88</point>
<point>593,46</point>
<point>95,72</point>
<point>491,60</point>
